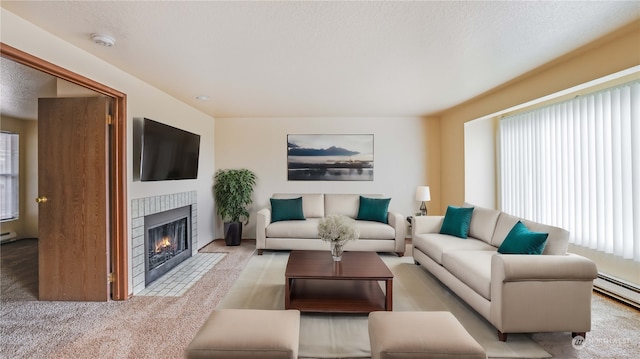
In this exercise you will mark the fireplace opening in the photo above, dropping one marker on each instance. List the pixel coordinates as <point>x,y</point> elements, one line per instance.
<point>167,241</point>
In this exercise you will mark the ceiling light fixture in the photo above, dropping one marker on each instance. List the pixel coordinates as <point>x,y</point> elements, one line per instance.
<point>104,40</point>
<point>202,98</point>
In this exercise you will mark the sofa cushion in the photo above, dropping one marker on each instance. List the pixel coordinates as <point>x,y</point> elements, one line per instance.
<point>312,203</point>
<point>373,209</point>
<point>557,241</point>
<point>483,222</point>
<point>503,227</point>
<point>345,204</point>
<point>286,209</point>
<point>456,221</point>
<point>435,244</point>
<point>521,240</point>
<point>375,230</point>
<point>473,268</point>
<point>294,229</point>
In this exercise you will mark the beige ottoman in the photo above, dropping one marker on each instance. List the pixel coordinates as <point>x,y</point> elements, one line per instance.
<point>420,335</point>
<point>247,333</point>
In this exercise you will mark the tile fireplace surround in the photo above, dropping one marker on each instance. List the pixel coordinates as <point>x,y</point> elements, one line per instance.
<point>141,207</point>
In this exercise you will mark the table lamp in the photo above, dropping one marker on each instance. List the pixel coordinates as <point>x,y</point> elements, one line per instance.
<point>423,195</point>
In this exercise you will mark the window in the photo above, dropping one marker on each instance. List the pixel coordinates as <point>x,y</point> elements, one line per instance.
<point>576,165</point>
<point>9,204</point>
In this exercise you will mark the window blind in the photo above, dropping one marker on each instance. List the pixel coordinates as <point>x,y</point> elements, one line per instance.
<point>9,205</point>
<point>576,165</point>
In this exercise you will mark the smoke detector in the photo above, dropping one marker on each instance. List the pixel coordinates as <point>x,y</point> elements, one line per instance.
<point>104,40</point>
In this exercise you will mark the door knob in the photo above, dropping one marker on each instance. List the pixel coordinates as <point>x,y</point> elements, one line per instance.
<point>41,199</point>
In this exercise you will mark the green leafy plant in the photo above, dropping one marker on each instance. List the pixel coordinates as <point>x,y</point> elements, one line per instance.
<point>232,192</point>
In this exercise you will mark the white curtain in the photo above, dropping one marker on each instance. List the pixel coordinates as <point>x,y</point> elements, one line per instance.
<point>9,205</point>
<point>576,165</point>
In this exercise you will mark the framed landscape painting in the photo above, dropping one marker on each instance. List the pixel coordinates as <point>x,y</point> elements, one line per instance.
<point>330,157</point>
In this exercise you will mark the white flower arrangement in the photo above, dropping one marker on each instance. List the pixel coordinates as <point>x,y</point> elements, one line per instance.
<point>338,228</point>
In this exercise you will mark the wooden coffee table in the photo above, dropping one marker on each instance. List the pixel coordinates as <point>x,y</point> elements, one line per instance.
<point>315,283</point>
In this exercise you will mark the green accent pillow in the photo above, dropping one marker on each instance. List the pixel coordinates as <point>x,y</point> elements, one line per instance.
<point>456,221</point>
<point>373,209</point>
<point>521,240</point>
<point>286,209</point>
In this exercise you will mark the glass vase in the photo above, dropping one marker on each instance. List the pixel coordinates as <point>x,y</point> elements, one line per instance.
<point>337,247</point>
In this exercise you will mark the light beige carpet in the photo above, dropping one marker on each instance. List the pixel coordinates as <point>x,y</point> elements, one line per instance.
<point>139,328</point>
<point>261,286</point>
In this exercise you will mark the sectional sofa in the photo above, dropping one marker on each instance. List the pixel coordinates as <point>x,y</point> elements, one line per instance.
<point>298,230</point>
<point>516,293</point>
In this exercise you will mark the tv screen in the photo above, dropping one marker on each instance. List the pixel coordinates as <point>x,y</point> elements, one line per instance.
<point>165,152</point>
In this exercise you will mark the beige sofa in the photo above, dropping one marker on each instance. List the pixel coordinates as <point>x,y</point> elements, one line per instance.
<point>516,293</point>
<point>303,234</point>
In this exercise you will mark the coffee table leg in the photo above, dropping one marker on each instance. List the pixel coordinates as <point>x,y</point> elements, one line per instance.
<point>389,295</point>
<point>287,292</point>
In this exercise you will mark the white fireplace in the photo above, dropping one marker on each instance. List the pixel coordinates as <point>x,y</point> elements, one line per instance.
<point>149,207</point>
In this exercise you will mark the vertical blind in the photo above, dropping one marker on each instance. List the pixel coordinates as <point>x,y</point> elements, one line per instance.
<point>9,204</point>
<point>576,165</point>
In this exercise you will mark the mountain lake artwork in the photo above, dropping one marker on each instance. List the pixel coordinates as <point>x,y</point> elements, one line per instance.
<point>330,157</point>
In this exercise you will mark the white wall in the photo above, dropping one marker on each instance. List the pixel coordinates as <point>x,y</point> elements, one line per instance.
<point>480,162</point>
<point>401,156</point>
<point>143,100</point>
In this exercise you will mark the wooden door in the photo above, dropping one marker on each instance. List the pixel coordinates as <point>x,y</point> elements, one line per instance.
<point>73,228</point>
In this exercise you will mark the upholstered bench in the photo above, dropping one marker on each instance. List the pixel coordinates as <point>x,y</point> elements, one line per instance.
<point>247,333</point>
<point>420,335</point>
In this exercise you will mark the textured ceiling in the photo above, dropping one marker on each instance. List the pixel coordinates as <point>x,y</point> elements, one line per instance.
<point>20,87</point>
<point>327,58</point>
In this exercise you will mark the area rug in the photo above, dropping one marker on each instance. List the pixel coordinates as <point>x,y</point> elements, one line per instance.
<point>261,286</point>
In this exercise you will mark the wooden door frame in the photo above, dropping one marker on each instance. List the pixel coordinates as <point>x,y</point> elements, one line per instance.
<point>118,174</point>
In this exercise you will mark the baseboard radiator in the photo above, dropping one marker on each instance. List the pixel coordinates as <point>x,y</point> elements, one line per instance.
<point>618,289</point>
<point>8,236</point>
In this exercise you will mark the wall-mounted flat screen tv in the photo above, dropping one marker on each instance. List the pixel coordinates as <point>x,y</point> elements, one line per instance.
<point>162,152</point>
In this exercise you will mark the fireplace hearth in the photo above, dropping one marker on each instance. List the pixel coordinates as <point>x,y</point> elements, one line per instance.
<point>167,238</point>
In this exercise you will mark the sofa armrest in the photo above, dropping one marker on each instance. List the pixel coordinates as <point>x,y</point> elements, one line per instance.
<point>263,219</point>
<point>396,220</point>
<point>426,224</point>
<point>511,268</point>
<point>541,293</point>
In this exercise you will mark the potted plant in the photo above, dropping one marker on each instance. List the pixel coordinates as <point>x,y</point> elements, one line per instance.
<point>232,192</point>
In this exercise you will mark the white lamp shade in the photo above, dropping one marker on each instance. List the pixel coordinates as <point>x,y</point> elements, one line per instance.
<point>423,194</point>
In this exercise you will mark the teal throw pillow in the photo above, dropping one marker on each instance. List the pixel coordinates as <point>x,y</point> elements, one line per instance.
<point>521,240</point>
<point>286,209</point>
<point>456,221</point>
<point>373,209</point>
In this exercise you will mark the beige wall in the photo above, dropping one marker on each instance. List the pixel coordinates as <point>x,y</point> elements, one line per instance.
<point>31,180</point>
<point>610,54</point>
<point>143,100</point>
<point>406,155</point>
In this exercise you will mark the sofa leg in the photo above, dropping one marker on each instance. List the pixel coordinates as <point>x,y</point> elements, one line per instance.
<point>260,252</point>
<point>575,334</point>
<point>400,254</point>
<point>502,336</point>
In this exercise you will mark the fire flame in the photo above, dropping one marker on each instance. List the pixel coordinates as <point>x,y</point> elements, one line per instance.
<point>163,243</point>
